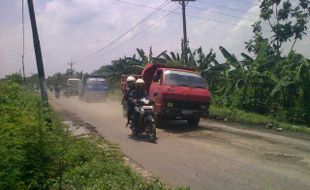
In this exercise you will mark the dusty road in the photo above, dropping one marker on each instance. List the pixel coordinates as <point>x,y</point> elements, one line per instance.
<point>214,156</point>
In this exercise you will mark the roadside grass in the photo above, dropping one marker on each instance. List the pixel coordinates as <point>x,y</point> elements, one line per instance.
<point>38,152</point>
<point>253,119</point>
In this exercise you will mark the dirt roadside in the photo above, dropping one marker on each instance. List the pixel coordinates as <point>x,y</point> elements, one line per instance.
<point>214,156</point>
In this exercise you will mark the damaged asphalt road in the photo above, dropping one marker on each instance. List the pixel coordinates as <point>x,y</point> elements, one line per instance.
<point>213,156</point>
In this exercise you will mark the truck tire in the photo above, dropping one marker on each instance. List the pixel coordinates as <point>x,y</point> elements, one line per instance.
<point>194,121</point>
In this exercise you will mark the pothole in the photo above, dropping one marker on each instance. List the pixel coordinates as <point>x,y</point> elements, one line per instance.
<point>281,157</point>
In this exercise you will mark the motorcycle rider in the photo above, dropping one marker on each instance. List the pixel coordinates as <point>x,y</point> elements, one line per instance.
<point>57,89</point>
<point>136,95</point>
<point>130,87</point>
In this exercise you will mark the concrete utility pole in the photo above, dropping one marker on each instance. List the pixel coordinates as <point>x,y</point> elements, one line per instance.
<point>37,49</point>
<point>23,43</point>
<point>185,40</point>
<point>71,65</point>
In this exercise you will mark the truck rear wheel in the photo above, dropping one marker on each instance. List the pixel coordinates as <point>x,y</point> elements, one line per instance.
<point>194,121</point>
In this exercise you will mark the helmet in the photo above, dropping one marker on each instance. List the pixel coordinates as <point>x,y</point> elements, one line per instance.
<point>140,81</point>
<point>130,78</point>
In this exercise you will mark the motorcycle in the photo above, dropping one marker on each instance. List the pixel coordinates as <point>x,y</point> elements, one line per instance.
<point>57,93</point>
<point>143,119</point>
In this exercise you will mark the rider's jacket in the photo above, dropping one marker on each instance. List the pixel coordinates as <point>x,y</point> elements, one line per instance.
<point>136,95</point>
<point>127,93</point>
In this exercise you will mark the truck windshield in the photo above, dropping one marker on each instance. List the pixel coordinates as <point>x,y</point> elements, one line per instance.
<point>74,84</point>
<point>181,78</point>
<point>97,85</point>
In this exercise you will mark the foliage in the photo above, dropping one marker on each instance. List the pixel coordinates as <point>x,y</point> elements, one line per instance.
<point>252,119</point>
<point>29,140</point>
<point>15,77</point>
<point>37,152</point>
<point>287,20</point>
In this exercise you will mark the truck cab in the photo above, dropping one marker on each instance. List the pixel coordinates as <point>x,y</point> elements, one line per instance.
<point>94,88</point>
<point>72,87</point>
<point>179,93</point>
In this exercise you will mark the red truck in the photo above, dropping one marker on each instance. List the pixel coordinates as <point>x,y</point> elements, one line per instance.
<point>179,93</point>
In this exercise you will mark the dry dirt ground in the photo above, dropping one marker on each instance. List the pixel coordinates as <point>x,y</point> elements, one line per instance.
<point>213,156</point>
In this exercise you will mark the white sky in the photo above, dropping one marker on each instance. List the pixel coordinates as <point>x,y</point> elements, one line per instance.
<point>77,28</point>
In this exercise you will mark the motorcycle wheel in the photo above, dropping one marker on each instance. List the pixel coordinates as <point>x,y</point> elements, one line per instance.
<point>152,129</point>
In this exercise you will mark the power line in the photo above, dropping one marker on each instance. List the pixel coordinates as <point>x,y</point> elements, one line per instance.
<point>143,20</point>
<point>225,7</point>
<point>141,32</point>
<point>220,13</point>
<point>247,1</point>
<point>192,16</point>
<point>160,8</point>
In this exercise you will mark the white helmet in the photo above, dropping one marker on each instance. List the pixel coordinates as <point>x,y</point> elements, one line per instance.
<point>140,81</point>
<point>130,79</point>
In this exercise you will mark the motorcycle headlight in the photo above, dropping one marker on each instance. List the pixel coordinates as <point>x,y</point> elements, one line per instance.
<point>169,104</point>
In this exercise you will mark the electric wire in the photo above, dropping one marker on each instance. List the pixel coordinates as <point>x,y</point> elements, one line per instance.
<point>222,6</point>
<point>132,28</point>
<point>141,32</point>
<point>160,8</point>
<point>188,15</point>
<point>220,13</point>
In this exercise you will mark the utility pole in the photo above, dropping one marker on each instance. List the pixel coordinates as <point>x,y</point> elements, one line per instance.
<point>37,49</point>
<point>71,65</point>
<point>23,43</point>
<point>185,40</point>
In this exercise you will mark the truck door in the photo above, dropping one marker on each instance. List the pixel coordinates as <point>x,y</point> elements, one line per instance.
<point>156,89</point>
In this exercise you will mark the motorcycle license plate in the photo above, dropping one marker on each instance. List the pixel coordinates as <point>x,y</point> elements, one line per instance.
<point>147,107</point>
<point>187,112</point>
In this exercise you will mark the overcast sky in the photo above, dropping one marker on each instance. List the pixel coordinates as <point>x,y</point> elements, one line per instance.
<point>74,29</point>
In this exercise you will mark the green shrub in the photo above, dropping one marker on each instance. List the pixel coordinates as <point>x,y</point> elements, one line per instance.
<point>252,119</point>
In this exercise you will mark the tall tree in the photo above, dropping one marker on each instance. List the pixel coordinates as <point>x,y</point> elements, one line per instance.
<point>287,21</point>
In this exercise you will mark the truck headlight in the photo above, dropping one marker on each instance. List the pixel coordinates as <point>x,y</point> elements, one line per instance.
<point>169,104</point>
<point>203,107</point>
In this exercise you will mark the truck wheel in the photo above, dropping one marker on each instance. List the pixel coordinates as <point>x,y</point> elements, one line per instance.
<point>194,121</point>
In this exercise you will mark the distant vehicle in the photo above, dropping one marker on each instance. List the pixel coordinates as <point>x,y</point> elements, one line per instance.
<point>57,90</point>
<point>94,88</point>
<point>179,93</point>
<point>72,87</point>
